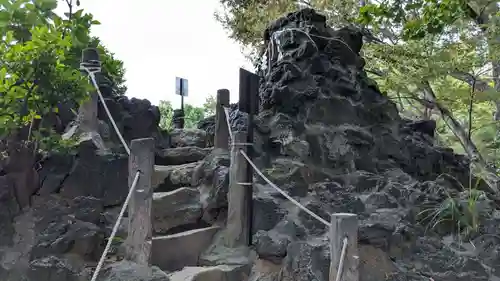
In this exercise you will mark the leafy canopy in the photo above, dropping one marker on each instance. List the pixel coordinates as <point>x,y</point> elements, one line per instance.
<point>39,64</point>
<point>193,114</point>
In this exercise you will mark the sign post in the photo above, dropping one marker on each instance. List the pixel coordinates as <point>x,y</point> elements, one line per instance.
<point>181,88</point>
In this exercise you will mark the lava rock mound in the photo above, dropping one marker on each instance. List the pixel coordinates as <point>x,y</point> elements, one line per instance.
<point>332,140</point>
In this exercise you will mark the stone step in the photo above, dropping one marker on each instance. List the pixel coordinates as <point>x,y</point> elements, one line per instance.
<point>188,137</point>
<point>168,178</point>
<point>173,252</point>
<point>180,208</point>
<point>210,273</point>
<point>181,155</point>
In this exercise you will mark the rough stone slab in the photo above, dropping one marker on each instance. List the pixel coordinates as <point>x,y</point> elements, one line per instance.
<point>173,252</point>
<point>264,270</point>
<point>212,273</point>
<point>224,255</point>
<point>179,207</point>
<point>188,137</point>
<point>126,270</point>
<point>173,176</point>
<point>182,155</point>
<point>219,253</point>
<point>54,268</point>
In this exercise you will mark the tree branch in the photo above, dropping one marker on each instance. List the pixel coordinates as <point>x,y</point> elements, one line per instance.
<point>489,176</point>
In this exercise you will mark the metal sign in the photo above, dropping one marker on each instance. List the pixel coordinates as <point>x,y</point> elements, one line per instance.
<point>181,86</point>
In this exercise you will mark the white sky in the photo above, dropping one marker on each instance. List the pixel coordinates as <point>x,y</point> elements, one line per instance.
<point>160,39</point>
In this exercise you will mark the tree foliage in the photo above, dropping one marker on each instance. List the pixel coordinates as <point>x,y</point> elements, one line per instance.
<point>192,114</point>
<point>39,64</point>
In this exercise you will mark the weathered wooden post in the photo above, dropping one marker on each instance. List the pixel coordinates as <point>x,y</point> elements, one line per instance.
<point>86,125</point>
<point>221,127</point>
<point>238,220</point>
<point>344,225</point>
<point>139,211</point>
<point>88,109</point>
<point>248,93</point>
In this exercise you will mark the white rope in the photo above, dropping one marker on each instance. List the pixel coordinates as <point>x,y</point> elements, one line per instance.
<point>115,228</point>
<point>267,180</point>
<point>340,269</point>
<point>226,111</point>
<point>282,192</point>
<point>233,144</point>
<point>92,77</point>
<point>91,71</point>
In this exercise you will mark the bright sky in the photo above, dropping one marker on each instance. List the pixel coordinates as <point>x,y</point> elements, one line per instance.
<point>161,39</point>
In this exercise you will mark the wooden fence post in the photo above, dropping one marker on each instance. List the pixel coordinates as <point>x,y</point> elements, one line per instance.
<point>86,125</point>
<point>221,127</point>
<point>139,209</point>
<point>248,100</point>
<point>344,225</point>
<point>87,113</point>
<point>238,226</point>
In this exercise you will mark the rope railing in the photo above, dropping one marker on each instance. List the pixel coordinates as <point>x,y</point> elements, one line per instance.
<point>343,252</point>
<point>302,207</point>
<point>295,202</point>
<point>101,97</point>
<point>226,112</point>
<point>340,269</point>
<point>91,72</point>
<point>115,228</point>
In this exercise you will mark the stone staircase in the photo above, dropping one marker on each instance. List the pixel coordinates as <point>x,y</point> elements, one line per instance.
<point>181,238</point>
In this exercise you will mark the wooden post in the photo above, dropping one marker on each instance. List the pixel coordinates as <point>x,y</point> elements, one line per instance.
<point>238,227</point>
<point>139,210</point>
<point>248,93</point>
<point>344,225</point>
<point>87,113</point>
<point>221,128</point>
<point>86,125</point>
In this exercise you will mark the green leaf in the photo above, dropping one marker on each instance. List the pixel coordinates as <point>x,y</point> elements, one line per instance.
<point>31,18</point>
<point>4,18</point>
<point>5,3</point>
<point>47,4</point>
<point>30,6</point>
<point>3,73</point>
<point>78,13</point>
<point>95,22</point>
<point>81,36</point>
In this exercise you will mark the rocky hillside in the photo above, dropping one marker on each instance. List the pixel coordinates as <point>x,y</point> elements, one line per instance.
<point>324,134</point>
<point>329,137</point>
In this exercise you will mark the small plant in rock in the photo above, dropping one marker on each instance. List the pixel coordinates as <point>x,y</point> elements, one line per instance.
<point>459,211</point>
<point>52,142</point>
<point>118,240</point>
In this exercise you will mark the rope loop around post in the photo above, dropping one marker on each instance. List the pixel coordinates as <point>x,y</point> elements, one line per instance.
<point>244,183</point>
<point>234,144</point>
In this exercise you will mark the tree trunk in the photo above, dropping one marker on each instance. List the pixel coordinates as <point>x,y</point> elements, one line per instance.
<point>482,19</point>
<point>470,148</point>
